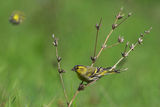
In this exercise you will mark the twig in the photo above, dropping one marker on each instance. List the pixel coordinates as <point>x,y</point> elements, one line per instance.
<point>76,93</point>
<point>55,43</point>
<point>115,44</point>
<point>125,54</point>
<point>80,88</point>
<point>97,28</point>
<point>119,16</point>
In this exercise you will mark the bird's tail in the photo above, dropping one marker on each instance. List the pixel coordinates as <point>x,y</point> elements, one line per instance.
<point>107,71</point>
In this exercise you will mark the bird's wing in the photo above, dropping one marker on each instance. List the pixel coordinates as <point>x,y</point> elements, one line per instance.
<point>91,71</point>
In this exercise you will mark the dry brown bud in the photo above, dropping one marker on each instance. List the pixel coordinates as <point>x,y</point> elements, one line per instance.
<point>132,46</point>
<point>104,46</point>
<point>142,35</point>
<point>81,87</point>
<point>114,26</point>
<point>53,36</point>
<point>124,54</point>
<point>120,39</point>
<point>59,59</point>
<point>55,42</point>
<point>129,14</point>
<point>93,59</point>
<point>119,16</point>
<point>97,26</point>
<point>140,40</point>
<point>61,71</point>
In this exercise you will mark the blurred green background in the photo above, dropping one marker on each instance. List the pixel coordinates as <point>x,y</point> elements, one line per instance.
<point>28,72</point>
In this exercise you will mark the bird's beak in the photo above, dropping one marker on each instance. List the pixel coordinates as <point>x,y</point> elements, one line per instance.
<point>73,69</point>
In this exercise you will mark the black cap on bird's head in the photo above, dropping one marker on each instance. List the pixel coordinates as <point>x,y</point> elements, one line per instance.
<point>75,67</point>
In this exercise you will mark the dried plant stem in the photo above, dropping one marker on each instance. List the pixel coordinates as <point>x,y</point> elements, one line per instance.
<point>76,93</point>
<point>115,25</point>
<point>64,90</point>
<point>97,27</point>
<point>131,48</point>
<point>104,44</point>
<point>78,90</point>
<point>113,45</point>
<point>115,65</point>
<point>61,77</point>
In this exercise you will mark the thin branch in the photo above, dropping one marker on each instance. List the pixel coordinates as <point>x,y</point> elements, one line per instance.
<point>93,58</point>
<point>80,88</point>
<point>76,93</point>
<point>115,65</point>
<point>97,27</point>
<point>115,44</point>
<point>55,43</point>
<point>125,54</point>
<point>111,31</point>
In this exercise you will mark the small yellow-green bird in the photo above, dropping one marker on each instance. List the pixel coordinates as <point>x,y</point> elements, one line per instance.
<point>89,74</point>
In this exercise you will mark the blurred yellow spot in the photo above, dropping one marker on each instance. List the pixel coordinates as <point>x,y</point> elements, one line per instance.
<point>16,18</point>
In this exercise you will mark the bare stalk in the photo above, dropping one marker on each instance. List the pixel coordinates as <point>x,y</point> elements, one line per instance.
<point>115,44</point>
<point>55,43</point>
<point>80,88</point>
<point>76,93</point>
<point>97,33</point>
<point>125,54</point>
<point>111,31</point>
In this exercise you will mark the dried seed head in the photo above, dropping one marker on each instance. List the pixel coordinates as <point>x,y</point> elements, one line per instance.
<point>114,26</point>
<point>129,14</point>
<point>147,31</point>
<point>53,36</point>
<point>142,35</point>
<point>104,46</point>
<point>93,59</point>
<point>124,54</point>
<point>121,9</point>
<point>119,16</point>
<point>150,29</point>
<point>61,71</point>
<point>81,87</point>
<point>55,42</point>
<point>59,59</point>
<point>132,46</point>
<point>120,39</point>
<point>140,40</point>
<point>97,26</point>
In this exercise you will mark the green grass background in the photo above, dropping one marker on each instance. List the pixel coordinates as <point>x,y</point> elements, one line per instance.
<point>28,72</point>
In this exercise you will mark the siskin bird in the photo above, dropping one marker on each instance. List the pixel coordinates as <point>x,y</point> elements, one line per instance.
<point>16,18</point>
<point>89,74</point>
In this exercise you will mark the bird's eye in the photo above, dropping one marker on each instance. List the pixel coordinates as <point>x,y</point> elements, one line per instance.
<point>77,67</point>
